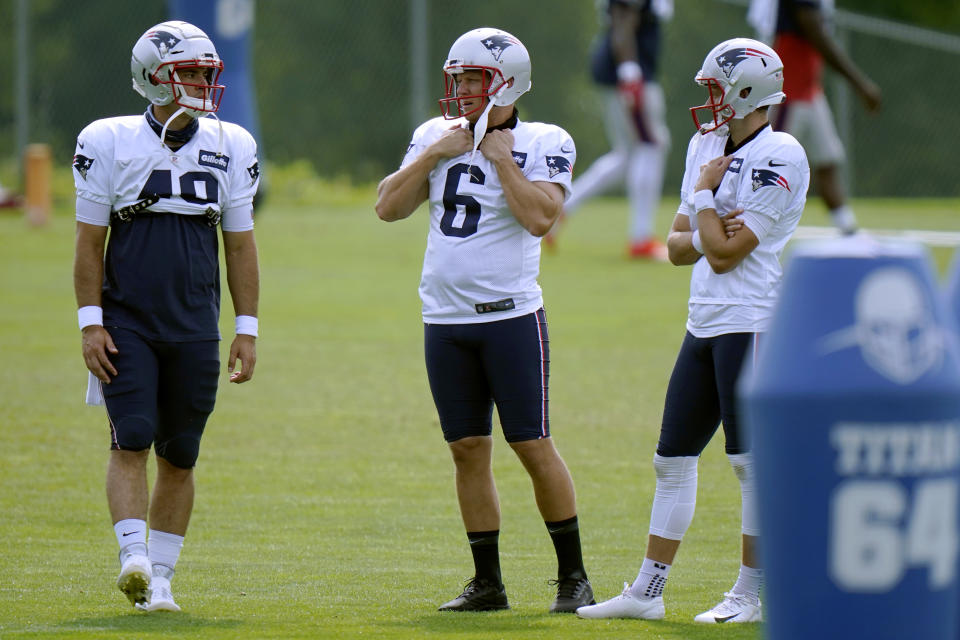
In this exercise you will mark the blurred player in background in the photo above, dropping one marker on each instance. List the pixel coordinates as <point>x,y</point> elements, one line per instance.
<point>162,183</point>
<point>801,36</point>
<point>743,191</point>
<point>624,65</point>
<point>494,185</point>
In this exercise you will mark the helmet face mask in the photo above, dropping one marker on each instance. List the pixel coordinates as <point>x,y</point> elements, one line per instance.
<point>161,56</point>
<point>501,58</point>
<point>741,76</point>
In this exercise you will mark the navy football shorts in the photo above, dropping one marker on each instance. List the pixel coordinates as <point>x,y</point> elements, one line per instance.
<point>473,366</point>
<point>162,395</point>
<point>702,394</point>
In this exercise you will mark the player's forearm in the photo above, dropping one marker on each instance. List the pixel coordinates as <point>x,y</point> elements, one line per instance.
<point>88,266</point>
<point>680,248</point>
<point>531,206</point>
<point>722,252</point>
<point>815,32</point>
<point>400,193</point>
<point>243,272</point>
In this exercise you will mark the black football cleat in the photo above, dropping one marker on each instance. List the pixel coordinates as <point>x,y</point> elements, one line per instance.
<point>479,595</point>
<point>572,591</point>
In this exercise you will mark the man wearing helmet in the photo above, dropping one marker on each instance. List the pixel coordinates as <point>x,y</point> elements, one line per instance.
<point>485,331</point>
<point>742,195</point>
<point>149,311</point>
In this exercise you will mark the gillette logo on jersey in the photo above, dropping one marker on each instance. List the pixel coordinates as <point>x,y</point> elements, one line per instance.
<point>497,44</point>
<point>211,159</point>
<point>728,60</point>
<point>557,164</point>
<point>767,178</point>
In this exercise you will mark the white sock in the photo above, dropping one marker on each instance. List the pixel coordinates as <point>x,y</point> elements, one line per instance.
<point>651,580</point>
<point>748,582</point>
<point>843,218</point>
<point>164,552</point>
<point>132,537</point>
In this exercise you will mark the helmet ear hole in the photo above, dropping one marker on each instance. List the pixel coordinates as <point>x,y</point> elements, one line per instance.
<point>745,92</point>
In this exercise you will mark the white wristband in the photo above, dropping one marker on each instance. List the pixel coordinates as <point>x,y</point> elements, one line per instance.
<point>703,199</point>
<point>629,71</point>
<point>247,325</point>
<point>90,315</point>
<point>695,241</point>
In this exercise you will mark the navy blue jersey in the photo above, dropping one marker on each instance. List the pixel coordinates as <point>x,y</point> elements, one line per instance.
<point>604,64</point>
<point>161,277</point>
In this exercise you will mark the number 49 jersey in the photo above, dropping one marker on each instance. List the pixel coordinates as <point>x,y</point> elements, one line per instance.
<point>120,162</point>
<point>480,264</point>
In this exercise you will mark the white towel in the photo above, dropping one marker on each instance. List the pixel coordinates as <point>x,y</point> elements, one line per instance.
<point>94,392</point>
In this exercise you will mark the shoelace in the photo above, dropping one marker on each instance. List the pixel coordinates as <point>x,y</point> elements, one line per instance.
<point>569,587</point>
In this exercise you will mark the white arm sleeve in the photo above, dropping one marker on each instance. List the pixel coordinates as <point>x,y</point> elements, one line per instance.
<point>93,212</point>
<point>238,218</point>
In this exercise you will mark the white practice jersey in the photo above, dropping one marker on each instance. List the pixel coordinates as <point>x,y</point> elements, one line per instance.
<point>768,179</point>
<point>120,162</point>
<point>481,265</point>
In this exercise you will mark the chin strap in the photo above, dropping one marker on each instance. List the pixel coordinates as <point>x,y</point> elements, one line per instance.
<point>163,132</point>
<point>480,129</point>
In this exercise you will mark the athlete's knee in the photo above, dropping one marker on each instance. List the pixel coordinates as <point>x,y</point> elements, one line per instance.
<point>181,452</point>
<point>742,464</point>
<point>133,433</point>
<point>676,496</point>
<point>471,450</point>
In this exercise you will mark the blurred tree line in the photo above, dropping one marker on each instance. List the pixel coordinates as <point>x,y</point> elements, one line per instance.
<point>333,82</point>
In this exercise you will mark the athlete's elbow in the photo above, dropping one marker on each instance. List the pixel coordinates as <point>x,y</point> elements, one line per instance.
<point>722,265</point>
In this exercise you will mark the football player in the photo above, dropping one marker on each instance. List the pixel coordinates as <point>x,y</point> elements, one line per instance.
<point>162,183</point>
<point>742,195</point>
<point>803,41</point>
<point>494,185</point>
<point>624,65</point>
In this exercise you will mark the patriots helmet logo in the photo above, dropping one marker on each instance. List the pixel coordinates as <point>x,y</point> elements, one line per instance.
<point>729,59</point>
<point>82,164</point>
<point>767,178</point>
<point>164,41</point>
<point>557,164</point>
<point>497,44</point>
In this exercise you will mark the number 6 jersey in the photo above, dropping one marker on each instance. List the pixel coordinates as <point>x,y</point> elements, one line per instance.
<point>161,272</point>
<point>480,264</point>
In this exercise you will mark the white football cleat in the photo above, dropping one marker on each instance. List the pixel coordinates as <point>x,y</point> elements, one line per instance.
<point>134,578</point>
<point>734,607</point>
<point>625,605</point>
<point>161,599</point>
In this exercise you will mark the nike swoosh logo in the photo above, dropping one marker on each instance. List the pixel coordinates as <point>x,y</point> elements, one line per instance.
<point>722,620</point>
<point>777,164</point>
<point>129,533</point>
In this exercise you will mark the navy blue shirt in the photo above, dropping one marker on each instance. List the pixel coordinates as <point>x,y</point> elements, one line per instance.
<point>161,277</point>
<point>785,12</point>
<point>647,35</point>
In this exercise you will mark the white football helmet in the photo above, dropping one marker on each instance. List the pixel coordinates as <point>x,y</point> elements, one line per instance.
<point>732,68</point>
<point>505,61</point>
<point>165,49</point>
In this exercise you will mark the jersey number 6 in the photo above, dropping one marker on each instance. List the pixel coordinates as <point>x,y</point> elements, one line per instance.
<point>452,199</point>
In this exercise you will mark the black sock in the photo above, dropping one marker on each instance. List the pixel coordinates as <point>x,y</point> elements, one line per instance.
<point>566,540</point>
<point>485,546</point>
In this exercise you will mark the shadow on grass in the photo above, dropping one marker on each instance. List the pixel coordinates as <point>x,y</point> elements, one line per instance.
<point>166,624</point>
<point>508,624</point>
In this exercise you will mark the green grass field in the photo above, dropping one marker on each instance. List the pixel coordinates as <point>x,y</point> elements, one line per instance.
<point>325,502</point>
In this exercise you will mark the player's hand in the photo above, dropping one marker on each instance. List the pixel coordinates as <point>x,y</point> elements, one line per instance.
<point>712,173</point>
<point>244,349</point>
<point>97,343</point>
<point>454,142</point>
<point>869,94</point>
<point>497,145</point>
<point>630,88</point>
<point>731,223</point>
